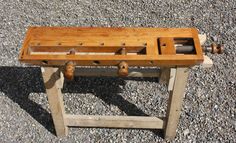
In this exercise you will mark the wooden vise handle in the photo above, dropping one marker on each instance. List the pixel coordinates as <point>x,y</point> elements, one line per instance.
<point>123,66</point>
<point>123,69</point>
<point>214,48</point>
<point>70,67</point>
<point>69,70</point>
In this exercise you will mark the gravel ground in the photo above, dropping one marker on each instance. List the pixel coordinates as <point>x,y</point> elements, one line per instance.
<point>209,105</point>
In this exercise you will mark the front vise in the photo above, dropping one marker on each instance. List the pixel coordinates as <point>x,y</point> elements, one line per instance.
<point>214,48</point>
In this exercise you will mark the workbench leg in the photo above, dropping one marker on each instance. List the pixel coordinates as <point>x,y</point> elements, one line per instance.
<point>175,102</point>
<point>53,80</point>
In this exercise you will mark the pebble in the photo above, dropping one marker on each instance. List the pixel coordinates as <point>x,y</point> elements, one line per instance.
<point>186,132</point>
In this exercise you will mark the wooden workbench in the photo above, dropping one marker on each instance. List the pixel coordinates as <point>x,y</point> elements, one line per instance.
<point>53,47</point>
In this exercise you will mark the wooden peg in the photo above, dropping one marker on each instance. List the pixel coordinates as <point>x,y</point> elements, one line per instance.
<point>123,69</point>
<point>69,70</point>
<point>123,66</point>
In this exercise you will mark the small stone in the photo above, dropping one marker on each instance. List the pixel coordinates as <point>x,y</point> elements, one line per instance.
<point>1,35</point>
<point>186,132</point>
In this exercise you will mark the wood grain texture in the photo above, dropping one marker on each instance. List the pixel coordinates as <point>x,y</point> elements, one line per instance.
<point>114,121</point>
<point>53,81</point>
<point>142,42</point>
<point>171,79</point>
<point>175,102</point>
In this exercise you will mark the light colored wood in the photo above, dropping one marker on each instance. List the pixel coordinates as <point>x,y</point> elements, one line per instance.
<point>49,46</point>
<point>172,79</point>
<point>113,60</point>
<point>133,72</point>
<point>207,63</point>
<point>80,53</point>
<point>202,38</point>
<point>167,46</point>
<point>114,121</point>
<point>100,40</point>
<point>165,75</point>
<point>53,80</point>
<point>175,102</point>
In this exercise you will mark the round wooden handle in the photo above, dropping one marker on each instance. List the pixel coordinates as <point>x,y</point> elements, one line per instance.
<point>123,69</point>
<point>69,70</point>
<point>217,48</point>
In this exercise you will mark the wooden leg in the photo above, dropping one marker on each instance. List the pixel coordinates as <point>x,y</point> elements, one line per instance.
<point>164,75</point>
<point>171,79</point>
<point>53,80</point>
<point>175,102</point>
